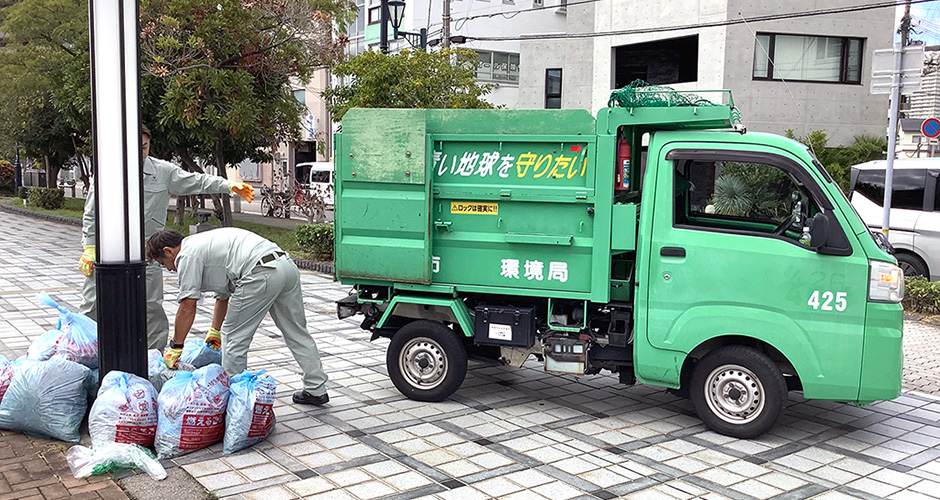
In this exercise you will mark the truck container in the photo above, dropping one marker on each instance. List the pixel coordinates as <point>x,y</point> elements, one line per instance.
<point>658,240</point>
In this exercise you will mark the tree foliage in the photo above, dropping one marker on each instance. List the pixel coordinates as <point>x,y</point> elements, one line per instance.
<point>839,160</point>
<point>218,73</point>
<point>408,79</point>
<point>45,41</point>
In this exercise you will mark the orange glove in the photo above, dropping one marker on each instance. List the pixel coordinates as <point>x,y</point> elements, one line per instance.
<point>171,356</point>
<point>241,189</point>
<point>86,264</point>
<point>214,338</point>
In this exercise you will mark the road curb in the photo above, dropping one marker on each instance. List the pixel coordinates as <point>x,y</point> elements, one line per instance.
<point>313,265</point>
<point>40,215</point>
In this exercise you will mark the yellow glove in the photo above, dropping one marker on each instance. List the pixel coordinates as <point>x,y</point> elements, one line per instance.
<point>214,338</point>
<point>241,189</point>
<point>87,263</point>
<point>171,356</point>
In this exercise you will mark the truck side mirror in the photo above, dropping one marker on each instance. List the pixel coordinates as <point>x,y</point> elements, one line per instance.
<point>827,236</point>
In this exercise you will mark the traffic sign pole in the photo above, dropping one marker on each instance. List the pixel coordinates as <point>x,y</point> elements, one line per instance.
<point>892,137</point>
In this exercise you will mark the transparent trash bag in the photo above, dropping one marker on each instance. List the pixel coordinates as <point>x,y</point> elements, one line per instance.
<point>85,461</point>
<point>46,398</point>
<point>157,371</point>
<point>197,353</point>
<point>250,415</point>
<point>191,411</point>
<point>44,346</point>
<point>7,369</point>
<point>125,411</point>
<point>79,339</point>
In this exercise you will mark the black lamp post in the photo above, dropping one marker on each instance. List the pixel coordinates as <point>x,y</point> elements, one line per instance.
<point>394,11</point>
<point>18,172</point>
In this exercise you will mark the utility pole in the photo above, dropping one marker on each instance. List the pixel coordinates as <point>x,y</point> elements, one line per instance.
<point>904,29</point>
<point>445,19</point>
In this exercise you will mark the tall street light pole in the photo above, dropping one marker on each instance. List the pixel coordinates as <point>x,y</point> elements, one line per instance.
<point>383,27</point>
<point>18,172</point>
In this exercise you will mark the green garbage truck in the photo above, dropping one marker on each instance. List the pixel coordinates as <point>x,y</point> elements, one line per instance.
<point>659,241</point>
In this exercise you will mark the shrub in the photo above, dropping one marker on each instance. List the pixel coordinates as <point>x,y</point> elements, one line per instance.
<point>24,192</point>
<point>48,198</point>
<point>921,296</point>
<point>316,239</point>
<point>7,177</point>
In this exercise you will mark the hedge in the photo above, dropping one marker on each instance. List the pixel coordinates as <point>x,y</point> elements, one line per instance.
<point>316,239</point>
<point>47,198</point>
<point>921,296</point>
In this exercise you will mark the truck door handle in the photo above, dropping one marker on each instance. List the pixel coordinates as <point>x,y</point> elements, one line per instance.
<point>672,252</point>
<point>444,224</point>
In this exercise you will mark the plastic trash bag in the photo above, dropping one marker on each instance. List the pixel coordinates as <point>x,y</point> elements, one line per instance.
<point>44,346</point>
<point>85,462</point>
<point>157,371</point>
<point>191,411</point>
<point>250,415</point>
<point>124,412</point>
<point>6,375</point>
<point>46,398</point>
<point>79,339</point>
<point>197,353</point>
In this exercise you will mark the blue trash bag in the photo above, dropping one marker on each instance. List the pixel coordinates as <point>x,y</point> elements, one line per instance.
<point>44,346</point>
<point>7,369</point>
<point>197,353</point>
<point>79,339</point>
<point>157,371</point>
<point>46,398</point>
<point>191,411</point>
<point>125,411</point>
<point>250,415</point>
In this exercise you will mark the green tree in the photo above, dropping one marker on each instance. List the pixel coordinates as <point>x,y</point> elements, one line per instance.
<point>839,160</point>
<point>44,40</point>
<point>219,72</point>
<point>408,79</point>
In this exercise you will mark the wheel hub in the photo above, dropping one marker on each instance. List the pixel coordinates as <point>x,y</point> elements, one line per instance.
<point>423,363</point>
<point>734,394</point>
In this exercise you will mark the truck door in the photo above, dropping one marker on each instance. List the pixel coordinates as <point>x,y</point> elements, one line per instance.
<point>726,259</point>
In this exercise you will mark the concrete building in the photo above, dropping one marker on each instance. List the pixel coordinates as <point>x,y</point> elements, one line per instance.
<point>803,74</point>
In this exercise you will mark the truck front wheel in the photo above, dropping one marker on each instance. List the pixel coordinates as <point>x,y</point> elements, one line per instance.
<point>426,361</point>
<point>738,391</point>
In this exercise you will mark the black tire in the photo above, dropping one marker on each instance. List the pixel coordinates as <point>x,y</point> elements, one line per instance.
<point>738,391</point>
<point>266,209</point>
<point>911,265</point>
<point>431,344</point>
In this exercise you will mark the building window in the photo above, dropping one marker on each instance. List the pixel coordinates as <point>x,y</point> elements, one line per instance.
<point>553,88</point>
<point>664,62</point>
<point>499,67</point>
<point>301,96</point>
<point>808,58</point>
<point>375,14</point>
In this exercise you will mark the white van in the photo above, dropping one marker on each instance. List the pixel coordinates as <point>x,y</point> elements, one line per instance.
<point>915,210</point>
<point>320,178</point>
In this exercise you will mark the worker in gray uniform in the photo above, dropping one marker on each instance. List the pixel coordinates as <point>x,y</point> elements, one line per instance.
<point>250,277</point>
<point>161,179</point>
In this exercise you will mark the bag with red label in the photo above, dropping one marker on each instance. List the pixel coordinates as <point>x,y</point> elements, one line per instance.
<point>125,411</point>
<point>78,341</point>
<point>191,411</point>
<point>250,415</point>
<point>6,375</point>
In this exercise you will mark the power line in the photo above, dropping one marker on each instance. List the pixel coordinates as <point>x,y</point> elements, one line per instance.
<point>713,24</point>
<point>512,13</point>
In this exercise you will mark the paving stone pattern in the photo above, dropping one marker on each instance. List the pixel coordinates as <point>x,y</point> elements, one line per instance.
<point>507,433</point>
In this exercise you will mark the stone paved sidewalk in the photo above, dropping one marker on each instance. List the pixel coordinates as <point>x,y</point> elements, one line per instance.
<point>507,433</point>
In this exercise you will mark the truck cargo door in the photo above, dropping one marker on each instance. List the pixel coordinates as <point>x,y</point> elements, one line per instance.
<point>382,197</point>
<point>726,259</point>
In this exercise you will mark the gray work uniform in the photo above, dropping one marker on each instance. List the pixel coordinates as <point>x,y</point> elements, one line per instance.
<point>161,179</point>
<point>256,277</point>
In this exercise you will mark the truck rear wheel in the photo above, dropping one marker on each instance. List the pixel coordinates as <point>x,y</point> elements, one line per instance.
<point>738,391</point>
<point>426,361</point>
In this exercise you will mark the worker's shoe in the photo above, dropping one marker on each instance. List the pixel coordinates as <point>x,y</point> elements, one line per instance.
<point>305,398</point>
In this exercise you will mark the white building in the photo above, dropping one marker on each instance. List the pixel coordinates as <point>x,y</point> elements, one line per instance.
<point>804,73</point>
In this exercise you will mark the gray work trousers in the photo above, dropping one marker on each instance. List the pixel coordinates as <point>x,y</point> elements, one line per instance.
<point>158,328</point>
<point>273,287</point>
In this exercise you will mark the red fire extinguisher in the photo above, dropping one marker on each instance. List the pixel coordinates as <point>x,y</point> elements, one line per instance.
<point>622,167</point>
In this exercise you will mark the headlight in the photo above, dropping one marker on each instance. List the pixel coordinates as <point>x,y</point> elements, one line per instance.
<point>885,282</point>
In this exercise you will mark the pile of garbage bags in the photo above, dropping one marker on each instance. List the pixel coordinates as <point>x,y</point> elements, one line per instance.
<point>47,393</point>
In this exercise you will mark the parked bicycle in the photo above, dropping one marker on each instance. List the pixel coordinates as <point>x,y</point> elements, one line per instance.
<point>275,203</point>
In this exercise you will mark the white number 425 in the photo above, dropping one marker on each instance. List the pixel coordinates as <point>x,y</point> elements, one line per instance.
<point>827,299</point>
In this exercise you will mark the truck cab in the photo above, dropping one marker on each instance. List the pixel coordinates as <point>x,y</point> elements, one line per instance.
<point>663,244</point>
